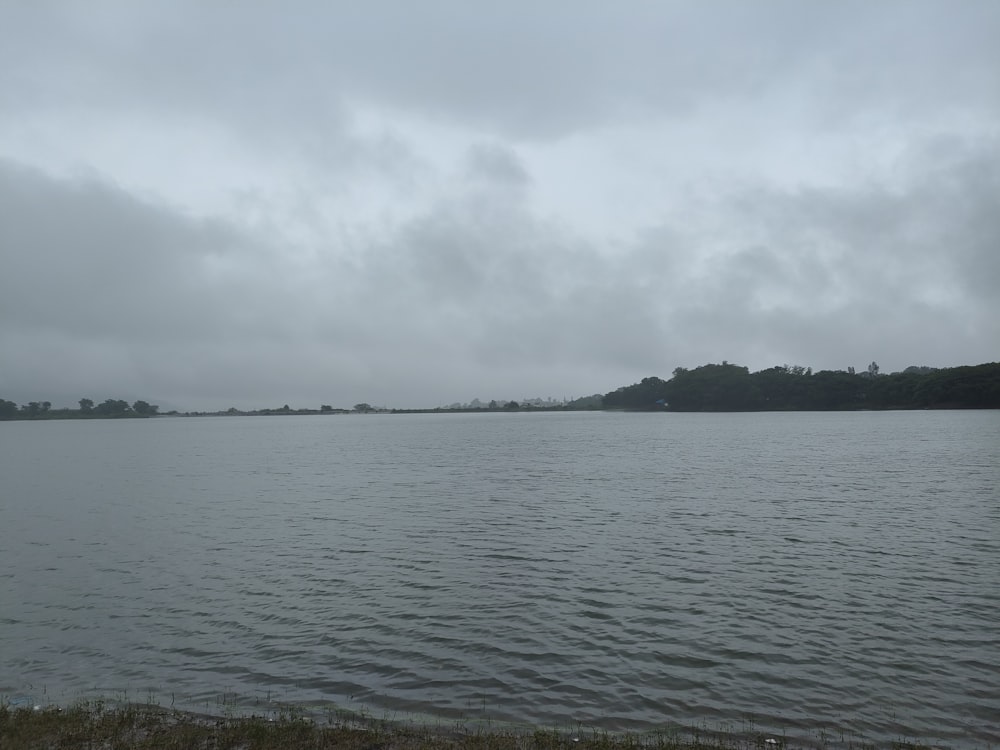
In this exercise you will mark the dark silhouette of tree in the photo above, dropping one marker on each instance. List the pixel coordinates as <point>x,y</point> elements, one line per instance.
<point>642,395</point>
<point>724,387</point>
<point>729,387</point>
<point>144,408</point>
<point>8,409</point>
<point>113,408</point>
<point>976,386</point>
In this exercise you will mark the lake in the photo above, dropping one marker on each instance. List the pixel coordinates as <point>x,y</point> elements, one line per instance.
<point>811,574</point>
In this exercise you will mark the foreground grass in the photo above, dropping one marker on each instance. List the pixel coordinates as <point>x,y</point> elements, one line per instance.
<point>138,727</point>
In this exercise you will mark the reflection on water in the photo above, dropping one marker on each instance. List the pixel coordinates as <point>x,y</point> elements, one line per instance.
<point>831,572</point>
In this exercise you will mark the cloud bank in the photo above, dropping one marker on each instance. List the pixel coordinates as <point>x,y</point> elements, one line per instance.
<point>220,206</point>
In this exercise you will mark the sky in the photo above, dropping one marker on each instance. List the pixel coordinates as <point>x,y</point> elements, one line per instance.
<point>251,204</point>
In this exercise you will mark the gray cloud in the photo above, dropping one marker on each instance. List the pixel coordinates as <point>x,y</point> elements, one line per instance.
<point>493,163</point>
<point>414,205</point>
<point>517,67</point>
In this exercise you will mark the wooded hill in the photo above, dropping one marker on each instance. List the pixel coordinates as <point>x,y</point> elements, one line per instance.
<point>729,387</point>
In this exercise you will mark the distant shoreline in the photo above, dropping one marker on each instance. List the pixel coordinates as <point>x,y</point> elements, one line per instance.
<point>521,410</point>
<point>722,387</point>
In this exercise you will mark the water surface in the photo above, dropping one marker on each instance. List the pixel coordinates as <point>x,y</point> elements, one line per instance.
<point>818,572</point>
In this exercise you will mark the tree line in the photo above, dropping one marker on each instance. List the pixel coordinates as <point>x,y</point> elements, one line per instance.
<point>108,409</point>
<point>729,387</point>
<point>711,387</point>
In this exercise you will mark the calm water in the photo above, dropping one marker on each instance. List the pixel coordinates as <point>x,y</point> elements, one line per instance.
<point>820,572</point>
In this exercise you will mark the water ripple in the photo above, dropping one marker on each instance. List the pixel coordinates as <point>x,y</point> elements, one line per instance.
<point>821,572</point>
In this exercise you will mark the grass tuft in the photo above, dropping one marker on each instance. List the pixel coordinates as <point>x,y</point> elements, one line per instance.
<point>97,726</point>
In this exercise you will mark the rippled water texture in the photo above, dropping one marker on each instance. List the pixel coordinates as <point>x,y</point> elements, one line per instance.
<point>820,572</point>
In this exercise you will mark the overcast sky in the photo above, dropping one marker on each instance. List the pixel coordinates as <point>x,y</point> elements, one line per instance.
<point>215,204</point>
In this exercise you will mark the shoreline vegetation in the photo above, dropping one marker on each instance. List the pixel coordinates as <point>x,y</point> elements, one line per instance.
<point>102,726</point>
<point>710,388</point>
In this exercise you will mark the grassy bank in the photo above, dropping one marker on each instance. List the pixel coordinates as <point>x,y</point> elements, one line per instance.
<point>96,726</point>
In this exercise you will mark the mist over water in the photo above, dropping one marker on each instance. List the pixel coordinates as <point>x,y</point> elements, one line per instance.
<point>818,572</point>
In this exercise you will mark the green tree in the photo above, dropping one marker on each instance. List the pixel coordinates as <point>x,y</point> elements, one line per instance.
<point>966,387</point>
<point>363,407</point>
<point>86,406</point>
<point>649,393</point>
<point>595,401</point>
<point>112,408</point>
<point>712,387</point>
<point>144,408</point>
